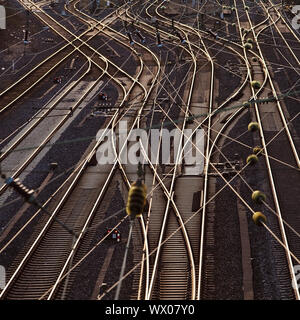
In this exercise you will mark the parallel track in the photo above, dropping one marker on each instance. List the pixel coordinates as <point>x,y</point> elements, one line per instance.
<point>51,234</point>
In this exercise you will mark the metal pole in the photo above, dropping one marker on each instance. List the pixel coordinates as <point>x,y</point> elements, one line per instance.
<point>63,297</point>
<point>124,260</point>
<point>63,12</point>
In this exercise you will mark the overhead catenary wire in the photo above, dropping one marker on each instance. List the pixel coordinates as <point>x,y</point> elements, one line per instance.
<point>128,273</point>
<point>239,106</point>
<point>269,143</point>
<point>30,198</point>
<point>64,19</point>
<point>150,253</point>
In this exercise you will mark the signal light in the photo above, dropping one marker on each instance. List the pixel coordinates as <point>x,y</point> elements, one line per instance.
<point>115,234</point>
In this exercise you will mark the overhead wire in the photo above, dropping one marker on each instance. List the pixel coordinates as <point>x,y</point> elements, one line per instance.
<point>136,266</point>
<point>225,110</point>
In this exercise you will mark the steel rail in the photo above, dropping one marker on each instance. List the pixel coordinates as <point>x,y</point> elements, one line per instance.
<point>35,69</point>
<point>208,157</point>
<point>20,169</point>
<point>122,103</point>
<point>230,98</point>
<point>270,174</point>
<point>170,199</point>
<point>138,125</point>
<point>124,170</point>
<point>103,58</point>
<point>283,119</point>
<point>67,194</point>
<point>102,192</point>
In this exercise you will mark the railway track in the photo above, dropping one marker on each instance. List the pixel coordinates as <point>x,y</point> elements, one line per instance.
<point>172,284</point>
<point>173,270</point>
<point>176,246</point>
<point>287,130</point>
<point>51,231</point>
<point>25,91</point>
<point>26,83</point>
<point>276,180</point>
<point>125,171</point>
<point>99,62</point>
<point>246,56</point>
<point>33,262</point>
<point>125,168</point>
<point>207,243</point>
<point>254,94</point>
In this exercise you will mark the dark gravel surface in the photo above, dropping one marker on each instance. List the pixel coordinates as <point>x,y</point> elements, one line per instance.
<point>72,23</point>
<point>228,252</point>
<point>286,79</point>
<point>66,155</point>
<point>257,14</point>
<point>285,177</point>
<point>88,272</point>
<point>27,107</point>
<point>227,72</point>
<point>98,13</point>
<point>125,59</point>
<point>42,43</point>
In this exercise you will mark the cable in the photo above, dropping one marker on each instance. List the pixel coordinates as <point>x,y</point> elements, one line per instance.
<point>85,256</point>
<point>29,197</point>
<point>124,259</point>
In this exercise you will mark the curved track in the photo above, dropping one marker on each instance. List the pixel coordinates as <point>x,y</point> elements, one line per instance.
<point>176,256</point>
